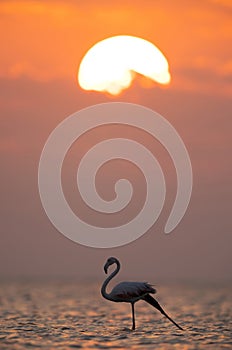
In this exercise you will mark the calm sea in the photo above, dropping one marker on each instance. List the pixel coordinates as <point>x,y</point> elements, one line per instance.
<point>71,316</point>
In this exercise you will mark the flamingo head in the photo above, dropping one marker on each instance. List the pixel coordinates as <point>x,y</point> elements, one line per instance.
<point>110,261</point>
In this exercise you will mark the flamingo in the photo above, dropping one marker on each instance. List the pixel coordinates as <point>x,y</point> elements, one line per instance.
<point>130,292</point>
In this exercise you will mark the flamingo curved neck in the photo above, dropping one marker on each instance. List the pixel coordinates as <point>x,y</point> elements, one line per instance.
<point>108,279</point>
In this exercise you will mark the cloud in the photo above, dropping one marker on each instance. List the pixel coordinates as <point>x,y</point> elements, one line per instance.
<point>222,3</point>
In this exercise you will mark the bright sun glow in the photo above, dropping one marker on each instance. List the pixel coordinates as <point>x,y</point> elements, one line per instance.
<point>111,63</point>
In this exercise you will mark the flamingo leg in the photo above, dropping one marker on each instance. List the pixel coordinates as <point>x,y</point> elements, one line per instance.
<point>133,316</point>
<point>148,298</point>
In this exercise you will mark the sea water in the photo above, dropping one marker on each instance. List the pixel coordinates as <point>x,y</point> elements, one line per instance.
<point>68,315</point>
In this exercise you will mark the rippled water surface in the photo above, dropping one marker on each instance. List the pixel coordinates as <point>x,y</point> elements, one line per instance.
<point>69,316</point>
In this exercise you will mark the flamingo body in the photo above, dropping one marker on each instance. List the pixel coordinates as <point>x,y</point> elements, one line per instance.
<point>130,291</point>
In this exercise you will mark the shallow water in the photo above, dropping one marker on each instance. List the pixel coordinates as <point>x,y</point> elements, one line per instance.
<point>68,316</point>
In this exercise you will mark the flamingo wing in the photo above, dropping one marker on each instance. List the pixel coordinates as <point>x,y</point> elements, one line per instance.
<point>129,291</point>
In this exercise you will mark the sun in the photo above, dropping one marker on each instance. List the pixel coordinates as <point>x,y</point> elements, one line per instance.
<point>110,65</point>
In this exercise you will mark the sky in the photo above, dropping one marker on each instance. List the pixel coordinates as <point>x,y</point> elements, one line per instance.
<point>42,45</point>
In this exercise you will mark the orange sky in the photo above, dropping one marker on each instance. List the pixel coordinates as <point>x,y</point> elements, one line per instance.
<point>46,40</point>
<point>42,44</point>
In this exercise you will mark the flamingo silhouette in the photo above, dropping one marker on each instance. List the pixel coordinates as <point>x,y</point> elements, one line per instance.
<point>130,292</point>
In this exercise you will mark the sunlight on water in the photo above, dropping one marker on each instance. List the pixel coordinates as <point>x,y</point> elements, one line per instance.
<point>69,316</point>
